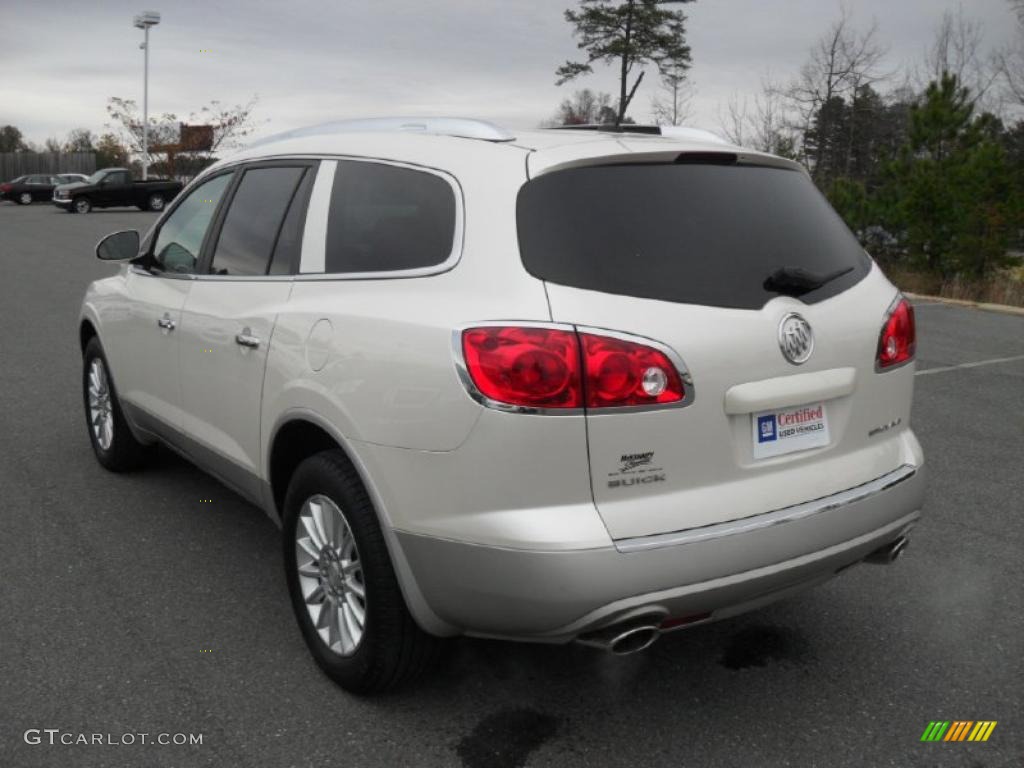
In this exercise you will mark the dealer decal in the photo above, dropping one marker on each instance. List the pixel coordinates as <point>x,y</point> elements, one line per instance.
<point>789,429</point>
<point>636,468</point>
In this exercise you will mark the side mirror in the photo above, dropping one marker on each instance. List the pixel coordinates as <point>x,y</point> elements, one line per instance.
<point>119,246</point>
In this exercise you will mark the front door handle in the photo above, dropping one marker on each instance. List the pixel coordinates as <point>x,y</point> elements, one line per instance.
<point>166,322</point>
<point>246,339</point>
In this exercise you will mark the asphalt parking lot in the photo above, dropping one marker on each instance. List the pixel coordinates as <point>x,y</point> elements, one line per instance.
<point>129,606</point>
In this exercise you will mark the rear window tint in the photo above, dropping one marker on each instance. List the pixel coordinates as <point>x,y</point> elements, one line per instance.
<point>707,234</point>
<point>385,218</point>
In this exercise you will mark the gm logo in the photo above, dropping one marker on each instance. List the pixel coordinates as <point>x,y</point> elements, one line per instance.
<point>766,428</point>
<point>958,730</point>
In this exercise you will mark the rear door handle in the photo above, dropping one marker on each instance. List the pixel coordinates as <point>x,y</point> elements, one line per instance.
<point>246,339</point>
<point>166,322</point>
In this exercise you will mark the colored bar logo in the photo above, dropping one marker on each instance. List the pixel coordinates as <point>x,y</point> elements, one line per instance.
<point>958,730</point>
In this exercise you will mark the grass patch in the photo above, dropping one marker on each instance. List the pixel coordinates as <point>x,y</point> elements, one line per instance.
<point>1004,287</point>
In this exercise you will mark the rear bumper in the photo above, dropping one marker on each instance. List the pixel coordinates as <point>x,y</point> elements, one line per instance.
<point>554,596</point>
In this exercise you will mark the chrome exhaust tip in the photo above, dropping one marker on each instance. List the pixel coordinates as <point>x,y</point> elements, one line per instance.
<point>888,554</point>
<point>622,640</point>
<point>634,640</point>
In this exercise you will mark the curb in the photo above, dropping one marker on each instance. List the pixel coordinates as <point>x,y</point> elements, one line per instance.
<point>1005,309</point>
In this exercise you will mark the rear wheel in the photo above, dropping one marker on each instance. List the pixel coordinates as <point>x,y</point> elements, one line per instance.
<point>25,198</point>
<point>112,441</point>
<point>155,202</point>
<point>81,205</point>
<point>342,585</point>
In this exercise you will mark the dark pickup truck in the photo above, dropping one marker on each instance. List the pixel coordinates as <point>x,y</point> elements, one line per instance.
<point>115,187</point>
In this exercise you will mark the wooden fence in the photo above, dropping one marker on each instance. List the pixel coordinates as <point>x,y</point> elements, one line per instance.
<point>14,164</point>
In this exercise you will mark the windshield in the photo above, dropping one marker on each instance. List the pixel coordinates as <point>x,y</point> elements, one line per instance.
<point>720,235</point>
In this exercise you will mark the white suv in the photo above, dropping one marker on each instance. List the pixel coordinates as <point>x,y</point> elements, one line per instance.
<point>557,386</point>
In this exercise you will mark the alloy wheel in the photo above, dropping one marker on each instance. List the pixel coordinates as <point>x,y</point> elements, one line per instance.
<point>330,574</point>
<point>101,415</point>
<point>25,198</point>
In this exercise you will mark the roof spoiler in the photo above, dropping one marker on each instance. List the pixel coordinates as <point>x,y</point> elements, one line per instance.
<point>671,131</point>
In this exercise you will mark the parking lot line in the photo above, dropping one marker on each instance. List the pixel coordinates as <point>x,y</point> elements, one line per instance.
<point>977,364</point>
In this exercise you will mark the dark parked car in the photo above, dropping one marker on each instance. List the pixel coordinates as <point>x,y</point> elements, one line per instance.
<point>113,187</point>
<point>36,186</point>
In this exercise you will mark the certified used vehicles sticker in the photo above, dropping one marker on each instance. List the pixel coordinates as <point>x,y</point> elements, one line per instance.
<point>789,429</point>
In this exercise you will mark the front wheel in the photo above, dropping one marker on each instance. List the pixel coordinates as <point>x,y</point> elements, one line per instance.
<point>155,202</point>
<point>81,205</point>
<point>112,441</point>
<point>342,585</point>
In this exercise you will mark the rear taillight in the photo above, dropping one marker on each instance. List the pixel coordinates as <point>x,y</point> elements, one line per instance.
<point>5,187</point>
<point>898,340</point>
<point>520,366</point>
<point>622,373</point>
<point>560,368</point>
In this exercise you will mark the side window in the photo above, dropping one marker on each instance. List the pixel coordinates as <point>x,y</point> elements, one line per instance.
<point>254,220</point>
<point>181,235</point>
<point>385,218</point>
<point>289,241</point>
<point>116,179</point>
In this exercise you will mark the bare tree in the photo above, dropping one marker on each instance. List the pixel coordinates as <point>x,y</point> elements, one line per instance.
<point>586,107</point>
<point>957,49</point>
<point>762,123</point>
<point>674,104</point>
<point>79,140</point>
<point>230,124</point>
<point>1009,63</point>
<point>842,61</point>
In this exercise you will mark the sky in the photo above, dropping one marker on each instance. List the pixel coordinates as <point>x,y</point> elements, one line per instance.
<point>311,61</point>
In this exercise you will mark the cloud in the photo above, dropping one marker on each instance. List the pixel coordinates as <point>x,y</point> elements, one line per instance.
<point>315,61</point>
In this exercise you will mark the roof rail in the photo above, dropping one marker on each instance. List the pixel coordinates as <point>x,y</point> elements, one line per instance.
<point>461,127</point>
<point>672,131</point>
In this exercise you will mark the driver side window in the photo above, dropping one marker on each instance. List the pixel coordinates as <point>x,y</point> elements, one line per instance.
<point>181,236</point>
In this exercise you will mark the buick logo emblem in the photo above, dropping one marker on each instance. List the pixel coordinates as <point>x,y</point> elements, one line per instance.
<point>795,339</point>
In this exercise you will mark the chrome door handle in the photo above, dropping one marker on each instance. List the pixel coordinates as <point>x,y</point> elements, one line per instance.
<point>246,339</point>
<point>166,322</point>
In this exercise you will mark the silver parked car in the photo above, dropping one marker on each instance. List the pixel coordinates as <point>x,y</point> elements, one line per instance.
<point>553,386</point>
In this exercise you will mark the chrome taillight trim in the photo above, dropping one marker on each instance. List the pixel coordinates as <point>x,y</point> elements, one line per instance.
<point>885,321</point>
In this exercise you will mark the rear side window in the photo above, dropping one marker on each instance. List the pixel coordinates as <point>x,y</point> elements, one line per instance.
<point>689,233</point>
<point>385,218</point>
<point>254,220</point>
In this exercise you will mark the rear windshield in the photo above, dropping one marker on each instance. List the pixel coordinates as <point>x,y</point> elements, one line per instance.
<point>691,233</point>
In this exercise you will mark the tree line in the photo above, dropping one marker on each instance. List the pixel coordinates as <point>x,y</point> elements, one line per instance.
<point>121,145</point>
<point>926,166</point>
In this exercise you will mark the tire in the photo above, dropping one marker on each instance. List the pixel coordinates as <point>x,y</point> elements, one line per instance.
<point>81,205</point>
<point>25,198</point>
<point>117,450</point>
<point>155,202</point>
<point>392,650</point>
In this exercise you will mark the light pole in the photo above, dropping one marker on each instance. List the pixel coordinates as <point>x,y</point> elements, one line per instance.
<point>144,21</point>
